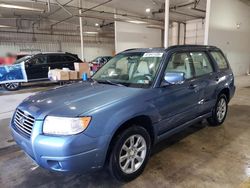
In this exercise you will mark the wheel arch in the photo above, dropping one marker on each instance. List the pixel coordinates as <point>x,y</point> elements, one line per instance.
<point>141,120</point>
<point>226,92</point>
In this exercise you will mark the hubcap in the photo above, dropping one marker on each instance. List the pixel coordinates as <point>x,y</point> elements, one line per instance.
<point>132,154</point>
<point>221,109</point>
<point>12,85</point>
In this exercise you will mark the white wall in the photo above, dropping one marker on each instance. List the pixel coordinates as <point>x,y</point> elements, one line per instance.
<point>91,51</point>
<point>129,35</point>
<point>223,32</point>
<point>195,31</point>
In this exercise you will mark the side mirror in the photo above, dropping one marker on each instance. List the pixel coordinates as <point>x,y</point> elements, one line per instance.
<point>173,78</point>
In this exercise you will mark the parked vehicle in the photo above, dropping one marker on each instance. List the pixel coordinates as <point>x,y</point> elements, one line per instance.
<point>98,62</point>
<point>37,66</point>
<point>137,99</point>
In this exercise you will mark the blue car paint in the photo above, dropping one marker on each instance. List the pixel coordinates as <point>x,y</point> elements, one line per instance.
<point>169,109</point>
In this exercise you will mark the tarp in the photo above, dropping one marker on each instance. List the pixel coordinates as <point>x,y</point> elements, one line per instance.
<point>13,73</point>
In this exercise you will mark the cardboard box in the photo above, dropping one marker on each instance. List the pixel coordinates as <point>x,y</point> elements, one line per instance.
<point>82,68</point>
<point>58,75</point>
<point>73,75</point>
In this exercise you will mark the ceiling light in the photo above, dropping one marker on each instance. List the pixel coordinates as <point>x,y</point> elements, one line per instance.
<point>148,10</point>
<point>137,22</point>
<point>155,26</point>
<point>20,7</point>
<point>96,24</point>
<point>5,26</point>
<point>91,32</point>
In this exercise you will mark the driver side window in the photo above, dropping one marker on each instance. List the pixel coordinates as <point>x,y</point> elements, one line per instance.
<point>38,60</point>
<point>181,63</point>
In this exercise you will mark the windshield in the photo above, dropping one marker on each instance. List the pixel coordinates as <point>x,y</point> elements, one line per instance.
<point>130,69</point>
<point>25,58</point>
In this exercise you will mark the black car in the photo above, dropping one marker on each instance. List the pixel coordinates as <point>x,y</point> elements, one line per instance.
<point>98,62</point>
<point>37,66</point>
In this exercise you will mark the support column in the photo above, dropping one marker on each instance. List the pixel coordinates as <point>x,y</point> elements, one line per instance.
<point>166,30</point>
<point>81,30</point>
<point>207,22</point>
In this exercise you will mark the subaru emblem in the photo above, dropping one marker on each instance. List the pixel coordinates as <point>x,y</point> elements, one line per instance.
<point>21,120</point>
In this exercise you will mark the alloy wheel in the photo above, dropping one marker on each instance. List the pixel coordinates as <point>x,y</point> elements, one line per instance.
<point>132,154</point>
<point>221,109</point>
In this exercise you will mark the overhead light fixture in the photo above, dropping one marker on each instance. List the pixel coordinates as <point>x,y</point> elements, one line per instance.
<point>148,10</point>
<point>96,24</point>
<point>91,32</point>
<point>136,22</point>
<point>155,26</point>
<point>3,5</point>
<point>5,26</point>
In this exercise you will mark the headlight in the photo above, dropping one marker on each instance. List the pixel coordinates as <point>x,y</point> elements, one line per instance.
<point>65,126</point>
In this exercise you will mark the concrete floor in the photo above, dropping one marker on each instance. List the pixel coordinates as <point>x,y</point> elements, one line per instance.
<point>200,156</point>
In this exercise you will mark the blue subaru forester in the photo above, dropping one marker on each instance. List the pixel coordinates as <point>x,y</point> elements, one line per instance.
<point>138,98</point>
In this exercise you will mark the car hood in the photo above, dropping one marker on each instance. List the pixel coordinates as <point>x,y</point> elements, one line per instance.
<point>76,99</point>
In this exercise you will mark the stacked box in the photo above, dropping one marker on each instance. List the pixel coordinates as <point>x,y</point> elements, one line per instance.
<point>82,68</point>
<point>58,74</point>
<point>73,75</point>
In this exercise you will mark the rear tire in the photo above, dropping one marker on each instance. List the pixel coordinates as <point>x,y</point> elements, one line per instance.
<point>219,113</point>
<point>130,153</point>
<point>12,86</point>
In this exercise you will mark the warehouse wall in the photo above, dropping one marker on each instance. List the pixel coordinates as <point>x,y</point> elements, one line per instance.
<point>225,15</point>
<point>195,31</point>
<point>129,35</point>
<point>65,38</point>
<point>91,51</point>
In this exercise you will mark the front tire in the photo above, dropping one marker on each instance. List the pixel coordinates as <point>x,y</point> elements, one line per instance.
<point>130,153</point>
<point>219,112</point>
<point>12,86</point>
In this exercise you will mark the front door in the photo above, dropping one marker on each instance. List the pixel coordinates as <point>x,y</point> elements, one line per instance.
<point>37,68</point>
<point>178,103</point>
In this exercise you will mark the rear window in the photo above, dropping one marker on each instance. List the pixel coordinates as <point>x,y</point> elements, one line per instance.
<point>70,58</point>
<point>220,60</point>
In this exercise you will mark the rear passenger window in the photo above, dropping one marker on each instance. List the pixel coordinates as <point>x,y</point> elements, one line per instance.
<point>220,60</point>
<point>70,58</point>
<point>202,65</point>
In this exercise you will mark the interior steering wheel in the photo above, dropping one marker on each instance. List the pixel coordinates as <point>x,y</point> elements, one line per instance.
<point>144,77</point>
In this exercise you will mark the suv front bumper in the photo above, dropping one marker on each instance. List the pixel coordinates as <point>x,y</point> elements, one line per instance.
<point>77,153</point>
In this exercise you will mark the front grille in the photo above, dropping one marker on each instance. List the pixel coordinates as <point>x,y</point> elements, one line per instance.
<point>24,122</point>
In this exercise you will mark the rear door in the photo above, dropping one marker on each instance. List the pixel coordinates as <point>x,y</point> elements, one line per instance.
<point>207,78</point>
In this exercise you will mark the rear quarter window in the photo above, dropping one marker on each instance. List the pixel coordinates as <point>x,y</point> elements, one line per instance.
<point>220,60</point>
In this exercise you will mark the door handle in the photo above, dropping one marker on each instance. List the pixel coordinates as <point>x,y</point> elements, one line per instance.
<point>192,86</point>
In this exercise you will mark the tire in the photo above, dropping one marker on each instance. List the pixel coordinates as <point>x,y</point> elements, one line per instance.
<point>219,112</point>
<point>12,86</point>
<point>122,157</point>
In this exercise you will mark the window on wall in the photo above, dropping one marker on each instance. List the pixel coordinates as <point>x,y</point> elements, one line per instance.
<point>220,60</point>
<point>180,62</point>
<point>201,63</point>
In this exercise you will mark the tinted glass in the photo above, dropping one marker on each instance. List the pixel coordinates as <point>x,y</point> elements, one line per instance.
<point>56,58</point>
<point>70,58</point>
<point>180,62</point>
<point>220,60</point>
<point>201,63</point>
<point>38,60</point>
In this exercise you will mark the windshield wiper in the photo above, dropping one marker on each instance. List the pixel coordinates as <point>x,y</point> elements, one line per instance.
<point>111,83</point>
